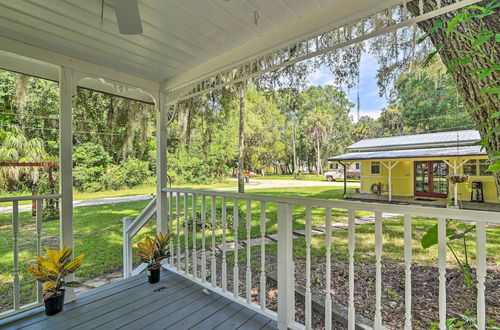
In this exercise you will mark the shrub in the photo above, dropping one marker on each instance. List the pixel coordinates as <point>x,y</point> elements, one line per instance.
<point>130,173</point>
<point>90,162</point>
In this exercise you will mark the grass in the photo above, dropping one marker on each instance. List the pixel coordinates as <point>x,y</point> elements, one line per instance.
<point>141,190</point>
<point>98,234</point>
<point>307,177</point>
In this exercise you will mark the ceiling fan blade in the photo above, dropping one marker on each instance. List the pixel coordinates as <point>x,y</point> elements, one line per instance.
<point>128,17</point>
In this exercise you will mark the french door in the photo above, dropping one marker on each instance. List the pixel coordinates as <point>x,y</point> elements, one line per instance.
<point>431,178</point>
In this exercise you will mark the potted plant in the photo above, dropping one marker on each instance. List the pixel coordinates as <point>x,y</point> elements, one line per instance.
<point>52,271</point>
<point>152,251</point>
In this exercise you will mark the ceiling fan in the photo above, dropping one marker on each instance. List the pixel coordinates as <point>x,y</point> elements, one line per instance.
<point>127,16</point>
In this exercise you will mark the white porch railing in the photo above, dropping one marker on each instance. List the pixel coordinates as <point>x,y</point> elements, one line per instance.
<point>205,260</point>
<point>130,228</point>
<point>16,284</point>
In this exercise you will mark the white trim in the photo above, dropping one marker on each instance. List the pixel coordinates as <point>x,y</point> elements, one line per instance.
<point>54,58</point>
<point>321,37</point>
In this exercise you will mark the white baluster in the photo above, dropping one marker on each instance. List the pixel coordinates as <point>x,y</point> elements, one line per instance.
<point>171,220</point>
<point>236,274</point>
<point>213,263</point>
<point>442,272</point>
<point>178,216</point>
<point>186,235</point>
<point>407,252</point>
<point>39,204</point>
<point>328,277</point>
<point>249,269</point>
<point>378,270</point>
<point>262,255</point>
<point>481,273</point>
<point>203,251</point>
<point>224,227</point>
<point>15,233</point>
<point>308,269</point>
<point>193,210</point>
<point>351,243</point>
<point>420,7</point>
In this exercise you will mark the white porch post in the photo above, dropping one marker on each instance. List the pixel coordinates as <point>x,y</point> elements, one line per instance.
<point>161,165</point>
<point>285,274</point>
<point>455,186</point>
<point>390,181</point>
<point>67,88</point>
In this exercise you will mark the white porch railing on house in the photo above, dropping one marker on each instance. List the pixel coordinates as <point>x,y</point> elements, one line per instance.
<point>130,228</point>
<point>17,298</point>
<point>202,256</point>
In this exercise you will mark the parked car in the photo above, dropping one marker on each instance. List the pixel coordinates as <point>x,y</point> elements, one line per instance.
<point>338,174</point>
<point>334,175</point>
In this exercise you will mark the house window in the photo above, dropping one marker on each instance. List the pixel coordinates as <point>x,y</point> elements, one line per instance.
<point>477,167</point>
<point>357,166</point>
<point>332,166</point>
<point>375,168</point>
<point>483,166</point>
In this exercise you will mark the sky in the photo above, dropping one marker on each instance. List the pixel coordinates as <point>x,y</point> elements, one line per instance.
<point>371,103</point>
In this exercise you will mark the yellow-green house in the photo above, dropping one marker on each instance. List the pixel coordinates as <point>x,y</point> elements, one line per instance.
<point>419,165</point>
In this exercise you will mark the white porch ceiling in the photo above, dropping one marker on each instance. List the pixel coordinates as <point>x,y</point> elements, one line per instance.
<point>197,36</point>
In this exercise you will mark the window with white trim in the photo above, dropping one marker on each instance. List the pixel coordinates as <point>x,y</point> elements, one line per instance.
<point>375,168</point>
<point>477,167</point>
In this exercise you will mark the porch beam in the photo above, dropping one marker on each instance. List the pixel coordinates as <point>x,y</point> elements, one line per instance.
<point>161,165</point>
<point>67,88</point>
<point>237,65</point>
<point>92,69</point>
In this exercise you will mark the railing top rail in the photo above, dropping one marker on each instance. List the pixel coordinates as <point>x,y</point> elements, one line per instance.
<point>29,198</point>
<point>415,210</point>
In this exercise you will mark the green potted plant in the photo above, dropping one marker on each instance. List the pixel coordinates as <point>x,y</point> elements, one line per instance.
<point>152,251</point>
<point>52,271</point>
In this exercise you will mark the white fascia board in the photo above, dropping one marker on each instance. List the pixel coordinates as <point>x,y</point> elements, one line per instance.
<point>57,59</point>
<point>324,19</point>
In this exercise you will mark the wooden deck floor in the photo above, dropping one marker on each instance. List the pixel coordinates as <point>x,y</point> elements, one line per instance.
<point>173,303</point>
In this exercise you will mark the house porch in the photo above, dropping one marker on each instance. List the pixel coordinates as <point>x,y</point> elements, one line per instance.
<point>173,303</point>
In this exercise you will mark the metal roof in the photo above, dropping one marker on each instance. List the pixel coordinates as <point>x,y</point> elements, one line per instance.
<point>413,153</point>
<point>418,141</point>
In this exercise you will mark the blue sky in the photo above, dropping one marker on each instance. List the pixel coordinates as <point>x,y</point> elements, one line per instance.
<point>371,103</point>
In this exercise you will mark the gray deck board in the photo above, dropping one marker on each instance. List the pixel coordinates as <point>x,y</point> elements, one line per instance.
<point>173,303</point>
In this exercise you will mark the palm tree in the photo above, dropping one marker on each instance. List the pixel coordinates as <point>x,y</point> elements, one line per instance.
<point>317,126</point>
<point>17,148</point>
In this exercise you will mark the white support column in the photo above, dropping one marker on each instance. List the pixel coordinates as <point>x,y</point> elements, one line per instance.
<point>390,181</point>
<point>455,186</point>
<point>389,167</point>
<point>286,276</point>
<point>67,88</point>
<point>161,165</point>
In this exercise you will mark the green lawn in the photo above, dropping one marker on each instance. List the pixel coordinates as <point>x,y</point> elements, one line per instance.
<point>98,234</point>
<point>307,177</point>
<point>141,190</point>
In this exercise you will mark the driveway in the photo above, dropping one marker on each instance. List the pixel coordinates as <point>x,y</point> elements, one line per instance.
<point>262,184</point>
<point>254,184</point>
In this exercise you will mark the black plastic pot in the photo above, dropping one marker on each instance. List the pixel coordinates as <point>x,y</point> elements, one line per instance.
<point>54,304</point>
<point>154,275</point>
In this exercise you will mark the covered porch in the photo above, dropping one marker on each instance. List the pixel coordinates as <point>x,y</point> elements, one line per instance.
<point>219,264</point>
<point>172,303</point>
<point>426,201</point>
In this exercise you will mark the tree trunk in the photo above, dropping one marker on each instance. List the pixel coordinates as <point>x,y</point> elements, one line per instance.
<point>241,141</point>
<point>318,159</point>
<point>480,106</point>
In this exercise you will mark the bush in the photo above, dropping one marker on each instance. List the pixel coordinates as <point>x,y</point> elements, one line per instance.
<point>192,167</point>
<point>130,173</point>
<point>90,162</point>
